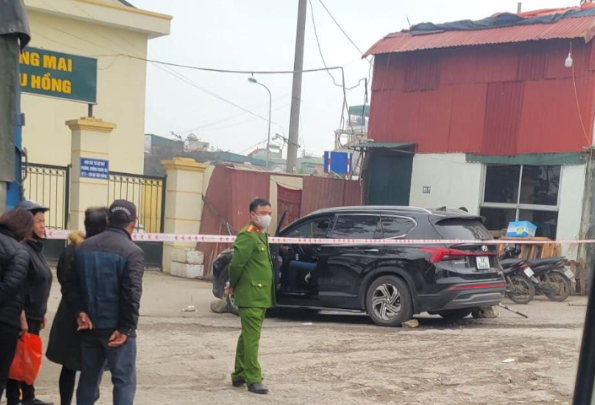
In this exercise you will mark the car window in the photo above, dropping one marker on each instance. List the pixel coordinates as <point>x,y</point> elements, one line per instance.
<point>316,228</point>
<point>395,227</point>
<point>356,227</point>
<point>460,228</point>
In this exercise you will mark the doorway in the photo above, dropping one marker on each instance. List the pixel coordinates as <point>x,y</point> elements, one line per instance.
<point>388,177</point>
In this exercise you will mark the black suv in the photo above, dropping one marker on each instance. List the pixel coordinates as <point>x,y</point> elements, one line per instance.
<point>390,282</point>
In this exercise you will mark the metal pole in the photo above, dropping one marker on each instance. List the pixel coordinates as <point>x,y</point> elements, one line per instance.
<point>519,8</point>
<point>253,80</point>
<point>269,133</point>
<point>296,93</point>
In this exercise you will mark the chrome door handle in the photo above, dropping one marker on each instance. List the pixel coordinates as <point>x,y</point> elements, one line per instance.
<point>372,250</point>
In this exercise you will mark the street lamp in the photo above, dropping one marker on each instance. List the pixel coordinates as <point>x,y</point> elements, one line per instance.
<point>253,80</point>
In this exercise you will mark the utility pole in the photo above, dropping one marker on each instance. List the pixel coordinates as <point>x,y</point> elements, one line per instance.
<point>519,8</point>
<point>296,92</point>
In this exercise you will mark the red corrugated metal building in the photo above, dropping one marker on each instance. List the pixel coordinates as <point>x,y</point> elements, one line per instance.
<point>485,115</point>
<point>498,91</point>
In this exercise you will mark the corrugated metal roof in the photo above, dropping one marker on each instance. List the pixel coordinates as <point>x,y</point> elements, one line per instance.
<point>579,27</point>
<point>503,99</point>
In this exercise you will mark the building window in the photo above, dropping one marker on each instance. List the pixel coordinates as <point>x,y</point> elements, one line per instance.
<point>522,193</point>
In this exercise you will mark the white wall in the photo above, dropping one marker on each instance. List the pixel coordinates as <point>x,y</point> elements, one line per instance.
<point>572,188</point>
<point>453,182</point>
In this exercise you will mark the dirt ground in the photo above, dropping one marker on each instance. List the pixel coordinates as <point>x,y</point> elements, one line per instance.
<point>186,358</point>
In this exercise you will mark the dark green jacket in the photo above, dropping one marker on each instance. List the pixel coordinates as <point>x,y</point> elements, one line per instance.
<point>251,269</point>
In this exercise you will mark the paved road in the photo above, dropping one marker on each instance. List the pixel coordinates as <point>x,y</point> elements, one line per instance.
<point>186,358</point>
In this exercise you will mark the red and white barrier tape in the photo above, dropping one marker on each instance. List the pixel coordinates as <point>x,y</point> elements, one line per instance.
<point>168,237</point>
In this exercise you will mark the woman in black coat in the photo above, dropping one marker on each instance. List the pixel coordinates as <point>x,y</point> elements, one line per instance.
<point>36,294</point>
<point>65,343</point>
<point>15,225</point>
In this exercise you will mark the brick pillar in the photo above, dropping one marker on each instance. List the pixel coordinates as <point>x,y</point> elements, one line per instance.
<point>183,203</point>
<point>90,163</point>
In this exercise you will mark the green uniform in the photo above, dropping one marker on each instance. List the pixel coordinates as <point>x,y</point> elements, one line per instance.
<point>251,278</point>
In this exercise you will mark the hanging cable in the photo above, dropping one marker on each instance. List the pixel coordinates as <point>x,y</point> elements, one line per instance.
<point>322,55</point>
<point>343,31</point>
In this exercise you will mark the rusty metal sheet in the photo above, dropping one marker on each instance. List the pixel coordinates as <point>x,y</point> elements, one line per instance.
<point>503,114</point>
<point>579,27</point>
<point>452,118</point>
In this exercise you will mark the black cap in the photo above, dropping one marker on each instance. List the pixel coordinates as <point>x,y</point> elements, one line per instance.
<point>122,210</point>
<point>33,207</point>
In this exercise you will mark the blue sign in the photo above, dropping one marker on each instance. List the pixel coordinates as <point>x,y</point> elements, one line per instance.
<point>95,168</point>
<point>338,162</point>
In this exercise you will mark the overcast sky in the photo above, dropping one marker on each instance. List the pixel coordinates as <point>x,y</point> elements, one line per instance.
<point>260,35</point>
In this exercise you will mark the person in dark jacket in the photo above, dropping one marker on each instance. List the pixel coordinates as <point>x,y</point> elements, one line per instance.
<point>36,294</point>
<point>15,225</point>
<point>64,346</point>
<point>105,291</point>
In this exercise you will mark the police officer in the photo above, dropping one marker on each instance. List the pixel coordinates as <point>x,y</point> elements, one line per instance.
<point>252,283</point>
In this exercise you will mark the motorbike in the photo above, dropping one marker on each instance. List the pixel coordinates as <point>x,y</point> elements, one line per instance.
<point>519,287</point>
<point>549,277</point>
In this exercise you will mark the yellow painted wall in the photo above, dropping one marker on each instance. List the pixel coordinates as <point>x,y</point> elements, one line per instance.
<point>152,202</point>
<point>120,92</point>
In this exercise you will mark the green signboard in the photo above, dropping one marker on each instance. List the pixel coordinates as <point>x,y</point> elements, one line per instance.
<point>60,75</point>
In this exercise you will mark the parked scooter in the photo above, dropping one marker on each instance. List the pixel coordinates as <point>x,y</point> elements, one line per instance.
<point>550,276</point>
<point>519,287</point>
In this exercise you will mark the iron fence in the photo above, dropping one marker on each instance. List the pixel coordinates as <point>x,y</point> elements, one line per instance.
<point>49,186</point>
<point>146,192</point>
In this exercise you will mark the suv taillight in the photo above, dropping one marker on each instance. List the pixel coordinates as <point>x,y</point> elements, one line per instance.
<point>441,254</point>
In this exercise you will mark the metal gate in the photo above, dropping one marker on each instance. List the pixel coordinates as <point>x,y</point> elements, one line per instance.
<point>49,186</point>
<point>148,194</point>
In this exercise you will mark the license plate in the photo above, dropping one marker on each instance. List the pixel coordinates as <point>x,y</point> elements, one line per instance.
<point>528,272</point>
<point>568,273</point>
<point>483,262</point>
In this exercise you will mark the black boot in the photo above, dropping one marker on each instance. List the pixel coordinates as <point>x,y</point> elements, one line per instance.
<point>258,388</point>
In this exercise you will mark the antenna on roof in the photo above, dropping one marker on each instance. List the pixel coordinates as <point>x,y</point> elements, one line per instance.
<point>408,22</point>
<point>519,8</point>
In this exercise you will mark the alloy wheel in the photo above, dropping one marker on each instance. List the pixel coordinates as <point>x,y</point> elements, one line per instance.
<point>386,301</point>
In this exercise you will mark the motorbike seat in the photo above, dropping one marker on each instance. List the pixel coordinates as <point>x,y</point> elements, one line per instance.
<point>507,263</point>
<point>545,261</point>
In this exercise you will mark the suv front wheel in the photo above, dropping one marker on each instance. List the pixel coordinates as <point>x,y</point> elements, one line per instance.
<point>388,301</point>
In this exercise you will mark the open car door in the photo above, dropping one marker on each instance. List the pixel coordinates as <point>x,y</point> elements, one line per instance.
<point>280,223</point>
<point>275,257</point>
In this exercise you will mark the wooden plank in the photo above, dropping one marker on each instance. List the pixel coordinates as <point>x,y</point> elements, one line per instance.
<point>535,250</point>
<point>546,251</point>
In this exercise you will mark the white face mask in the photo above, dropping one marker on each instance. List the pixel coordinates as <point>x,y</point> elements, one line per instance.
<point>263,221</point>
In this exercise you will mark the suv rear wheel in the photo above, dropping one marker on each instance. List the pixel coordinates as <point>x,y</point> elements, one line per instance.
<point>388,301</point>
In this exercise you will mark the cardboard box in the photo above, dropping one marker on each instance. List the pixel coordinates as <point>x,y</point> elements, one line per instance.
<point>521,229</point>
